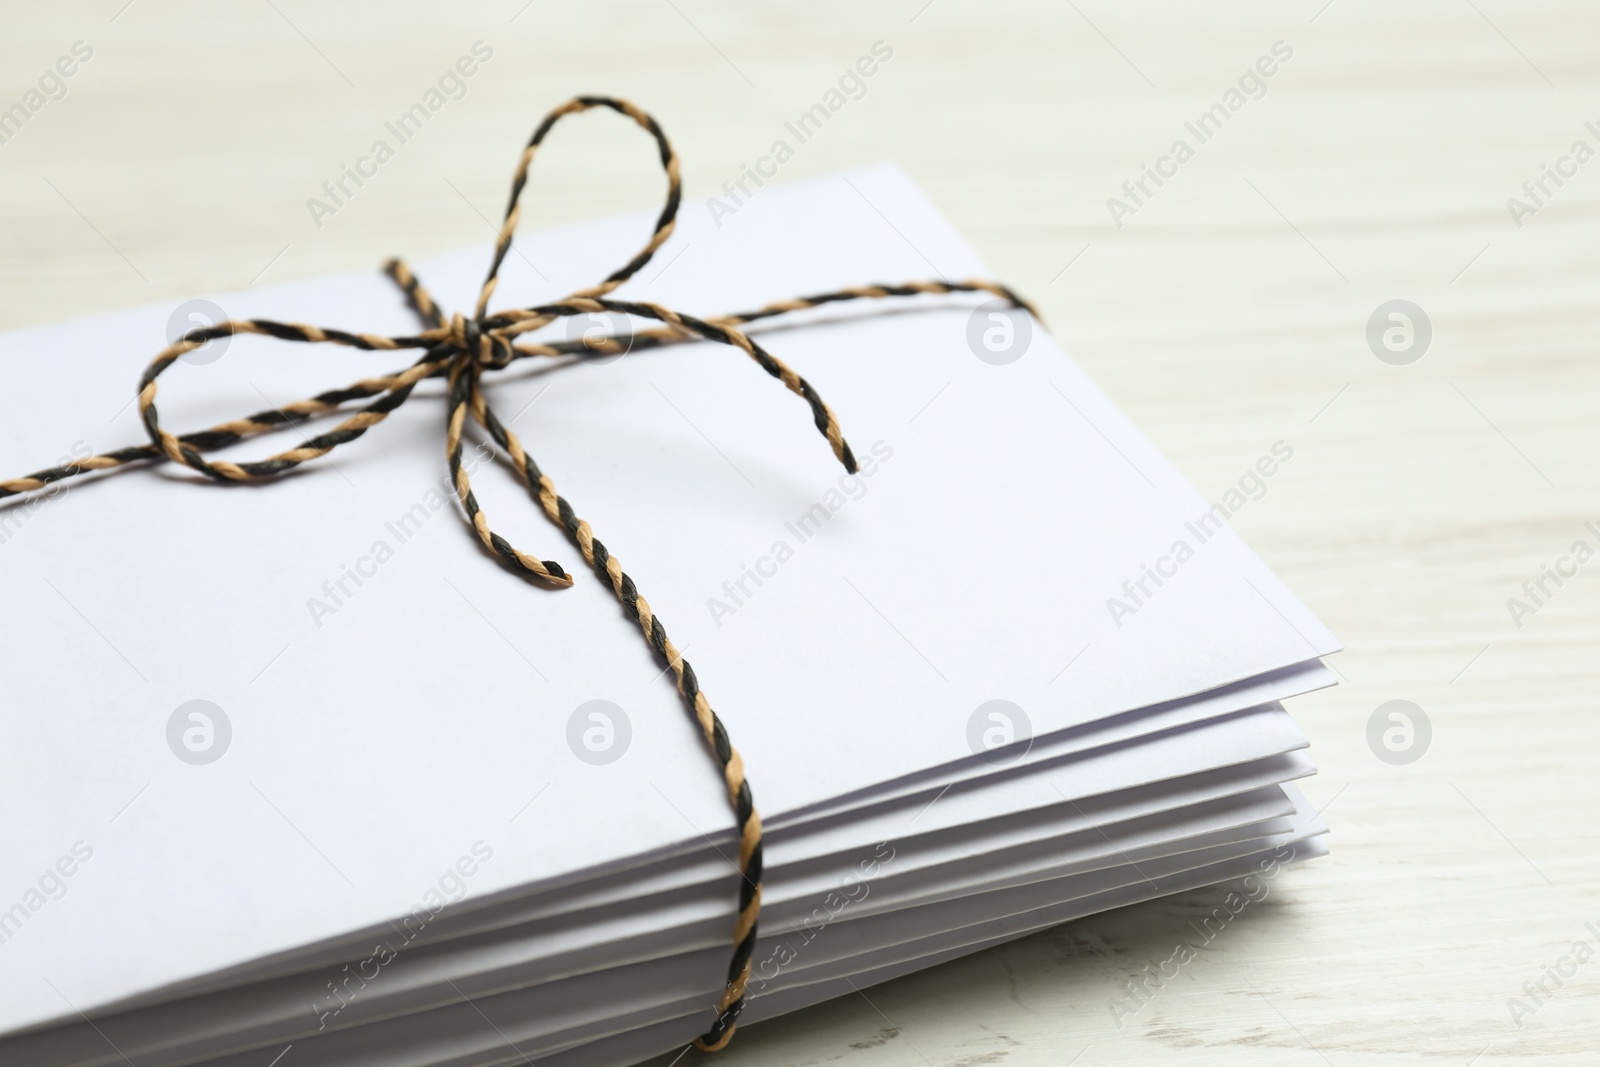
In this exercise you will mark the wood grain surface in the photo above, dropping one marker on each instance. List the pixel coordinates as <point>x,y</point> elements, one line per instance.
<point>1227,311</point>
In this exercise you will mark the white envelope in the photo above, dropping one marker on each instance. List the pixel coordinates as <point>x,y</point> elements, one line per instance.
<point>277,1012</point>
<point>425,719</point>
<point>459,1036</point>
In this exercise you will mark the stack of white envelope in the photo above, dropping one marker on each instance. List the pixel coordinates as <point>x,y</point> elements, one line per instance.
<point>296,774</point>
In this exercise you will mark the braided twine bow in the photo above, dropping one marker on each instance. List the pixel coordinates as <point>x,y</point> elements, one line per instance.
<point>461,349</point>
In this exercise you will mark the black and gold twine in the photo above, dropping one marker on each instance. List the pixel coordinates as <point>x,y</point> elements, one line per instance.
<point>461,349</point>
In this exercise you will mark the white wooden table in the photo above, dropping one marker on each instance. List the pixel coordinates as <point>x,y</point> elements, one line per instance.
<point>1228,311</point>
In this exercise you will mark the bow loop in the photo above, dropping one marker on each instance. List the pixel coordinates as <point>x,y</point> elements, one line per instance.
<point>665,222</point>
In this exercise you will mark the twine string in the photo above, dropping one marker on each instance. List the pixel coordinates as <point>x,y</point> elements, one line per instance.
<point>460,349</point>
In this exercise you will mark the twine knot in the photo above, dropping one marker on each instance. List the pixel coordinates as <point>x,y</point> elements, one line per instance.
<point>487,349</point>
<point>460,349</point>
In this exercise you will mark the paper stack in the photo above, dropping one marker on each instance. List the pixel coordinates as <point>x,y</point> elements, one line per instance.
<point>298,771</point>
